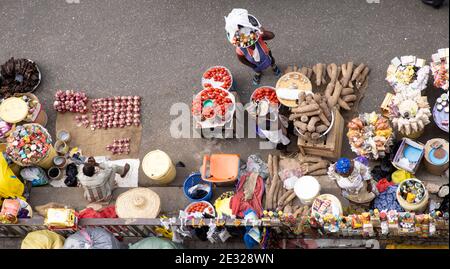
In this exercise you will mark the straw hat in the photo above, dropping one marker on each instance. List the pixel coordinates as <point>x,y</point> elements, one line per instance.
<point>138,203</point>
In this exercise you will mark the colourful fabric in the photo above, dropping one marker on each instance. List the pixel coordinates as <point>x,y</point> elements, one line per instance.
<point>383,184</point>
<point>108,212</point>
<point>388,200</point>
<point>343,166</point>
<point>239,205</point>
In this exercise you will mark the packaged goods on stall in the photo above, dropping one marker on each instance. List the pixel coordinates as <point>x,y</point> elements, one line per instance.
<point>35,174</point>
<point>436,156</point>
<point>410,114</point>
<point>409,155</point>
<point>408,74</point>
<point>155,243</point>
<point>370,135</point>
<point>440,112</point>
<point>92,238</point>
<point>42,239</point>
<point>115,112</point>
<point>42,209</point>
<point>61,218</point>
<point>34,106</point>
<point>70,101</point>
<point>412,195</point>
<point>439,68</point>
<point>217,77</point>
<point>29,144</point>
<point>19,76</point>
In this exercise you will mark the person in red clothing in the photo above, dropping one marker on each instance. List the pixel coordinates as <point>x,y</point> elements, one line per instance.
<point>257,56</point>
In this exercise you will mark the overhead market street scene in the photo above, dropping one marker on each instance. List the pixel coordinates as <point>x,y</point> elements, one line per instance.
<point>231,125</point>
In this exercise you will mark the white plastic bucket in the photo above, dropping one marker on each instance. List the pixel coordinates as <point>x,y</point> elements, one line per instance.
<point>307,188</point>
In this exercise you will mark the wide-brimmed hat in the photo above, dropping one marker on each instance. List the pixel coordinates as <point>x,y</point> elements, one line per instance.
<point>138,203</point>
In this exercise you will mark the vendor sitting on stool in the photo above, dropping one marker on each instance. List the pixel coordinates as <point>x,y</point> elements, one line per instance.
<point>98,180</point>
<point>354,180</point>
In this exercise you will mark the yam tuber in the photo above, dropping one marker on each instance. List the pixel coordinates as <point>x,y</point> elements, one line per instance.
<point>320,165</point>
<point>301,97</point>
<point>289,198</point>
<point>324,119</point>
<point>349,98</point>
<point>319,70</point>
<point>357,71</point>
<point>329,90</point>
<point>320,172</point>
<point>307,108</point>
<point>283,198</point>
<point>321,128</point>
<point>315,136</point>
<point>347,91</point>
<point>346,73</point>
<point>317,97</point>
<point>312,123</point>
<point>343,104</point>
<point>332,70</point>
<point>287,209</point>
<point>304,118</point>
<point>271,192</point>
<point>325,109</point>
<point>301,125</point>
<point>309,159</point>
<point>332,101</point>
<point>363,76</point>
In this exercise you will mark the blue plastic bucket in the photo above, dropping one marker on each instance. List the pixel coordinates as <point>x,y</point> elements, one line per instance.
<point>192,180</point>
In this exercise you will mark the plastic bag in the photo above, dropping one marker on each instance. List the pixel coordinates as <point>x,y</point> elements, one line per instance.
<point>44,239</point>
<point>155,243</point>
<point>34,174</point>
<point>257,165</point>
<point>10,185</point>
<point>92,238</point>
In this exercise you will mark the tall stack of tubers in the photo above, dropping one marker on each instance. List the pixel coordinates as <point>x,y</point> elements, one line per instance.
<point>312,117</point>
<point>340,91</point>
<point>314,165</point>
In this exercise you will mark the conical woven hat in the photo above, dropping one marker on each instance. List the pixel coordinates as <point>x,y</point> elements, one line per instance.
<point>138,203</point>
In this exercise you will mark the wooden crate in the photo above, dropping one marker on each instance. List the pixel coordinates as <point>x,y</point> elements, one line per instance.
<point>331,146</point>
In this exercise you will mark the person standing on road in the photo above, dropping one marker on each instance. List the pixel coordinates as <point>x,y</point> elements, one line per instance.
<point>245,32</point>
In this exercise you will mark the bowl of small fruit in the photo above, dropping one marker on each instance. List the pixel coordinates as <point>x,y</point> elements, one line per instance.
<point>213,105</point>
<point>217,77</point>
<point>201,207</point>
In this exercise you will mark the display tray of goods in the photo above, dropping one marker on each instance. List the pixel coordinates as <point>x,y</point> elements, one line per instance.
<point>439,68</point>
<point>370,135</point>
<point>217,77</point>
<point>326,204</point>
<point>289,87</point>
<point>29,144</point>
<point>312,118</point>
<point>440,112</point>
<point>201,207</point>
<point>408,73</point>
<point>409,114</point>
<point>34,106</point>
<point>412,195</point>
<point>246,36</point>
<point>18,76</point>
<point>213,107</point>
<point>263,101</point>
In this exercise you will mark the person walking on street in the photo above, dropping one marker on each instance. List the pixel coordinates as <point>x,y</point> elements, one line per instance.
<point>98,180</point>
<point>246,33</point>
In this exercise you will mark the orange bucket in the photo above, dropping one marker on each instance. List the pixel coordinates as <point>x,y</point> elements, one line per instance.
<point>220,168</point>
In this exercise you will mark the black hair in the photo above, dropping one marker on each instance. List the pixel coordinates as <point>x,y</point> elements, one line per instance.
<point>88,170</point>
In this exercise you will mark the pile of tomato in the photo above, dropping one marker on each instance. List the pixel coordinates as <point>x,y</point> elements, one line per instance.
<point>265,93</point>
<point>218,74</point>
<point>200,207</point>
<point>221,103</point>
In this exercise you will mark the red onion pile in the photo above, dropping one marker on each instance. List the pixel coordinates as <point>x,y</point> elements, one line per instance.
<point>82,120</point>
<point>114,112</point>
<point>120,146</point>
<point>70,101</point>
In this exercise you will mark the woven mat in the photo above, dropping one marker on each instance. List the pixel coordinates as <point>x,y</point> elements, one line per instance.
<point>93,143</point>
